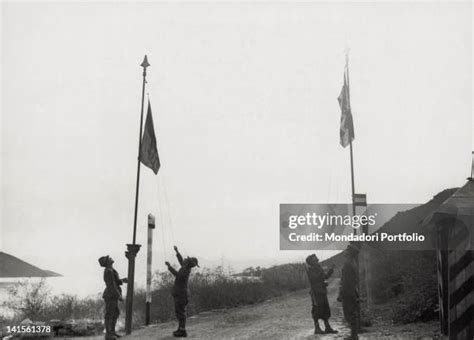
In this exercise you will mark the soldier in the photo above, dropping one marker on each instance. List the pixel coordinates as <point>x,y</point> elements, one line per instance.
<point>349,290</point>
<point>180,290</point>
<point>319,299</point>
<point>112,295</point>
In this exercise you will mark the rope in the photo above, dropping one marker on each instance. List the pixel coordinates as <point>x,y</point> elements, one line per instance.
<point>160,212</point>
<point>170,219</point>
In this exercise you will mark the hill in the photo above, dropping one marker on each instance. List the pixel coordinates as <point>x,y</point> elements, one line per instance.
<point>407,221</point>
<point>410,221</point>
<point>403,279</point>
<point>11,266</point>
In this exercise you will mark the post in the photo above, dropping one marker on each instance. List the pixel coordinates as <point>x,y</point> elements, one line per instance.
<point>350,142</point>
<point>130,254</point>
<point>151,226</point>
<point>353,185</point>
<point>472,166</point>
<point>353,182</point>
<point>144,64</point>
<point>133,248</point>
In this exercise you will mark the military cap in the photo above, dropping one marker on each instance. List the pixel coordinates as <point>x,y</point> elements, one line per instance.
<point>103,260</point>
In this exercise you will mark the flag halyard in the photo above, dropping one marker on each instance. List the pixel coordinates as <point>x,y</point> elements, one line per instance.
<point>148,150</point>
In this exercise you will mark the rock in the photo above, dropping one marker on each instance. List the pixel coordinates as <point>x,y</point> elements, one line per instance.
<point>85,327</point>
<point>81,328</point>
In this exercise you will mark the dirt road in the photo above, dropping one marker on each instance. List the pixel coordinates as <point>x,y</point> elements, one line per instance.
<point>286,317</point>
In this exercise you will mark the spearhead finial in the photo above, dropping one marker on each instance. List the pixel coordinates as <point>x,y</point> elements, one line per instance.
<point>145,63</point>
<point>346,52</point>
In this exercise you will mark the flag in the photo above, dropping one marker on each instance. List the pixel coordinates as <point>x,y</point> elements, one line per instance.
<point>346,130</point>
<point>148,150</point>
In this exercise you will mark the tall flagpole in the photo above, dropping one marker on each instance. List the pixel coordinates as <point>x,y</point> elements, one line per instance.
<point>133,248</point>
<point>350,141</point>
<point>352,180</point>
<point>144,64</point>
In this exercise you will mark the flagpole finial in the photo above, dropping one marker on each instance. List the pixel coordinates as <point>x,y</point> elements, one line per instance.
<point>346,53</point>
<point>145,63</point>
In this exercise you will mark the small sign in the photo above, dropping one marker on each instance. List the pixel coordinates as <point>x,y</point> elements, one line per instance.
<point>151,221</point>
<point>360,200</point>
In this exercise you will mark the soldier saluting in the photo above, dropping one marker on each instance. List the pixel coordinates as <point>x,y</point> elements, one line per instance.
<point>319,299</point>
<point>112,295</point>
<point>180,290</point>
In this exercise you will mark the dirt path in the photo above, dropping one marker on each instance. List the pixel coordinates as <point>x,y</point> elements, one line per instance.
<point>286,317</point>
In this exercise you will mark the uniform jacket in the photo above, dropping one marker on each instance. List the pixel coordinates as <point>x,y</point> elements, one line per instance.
<point>317,278</point>
<point>349,280</point>
<point>180,288</point>
<point>112,284</point>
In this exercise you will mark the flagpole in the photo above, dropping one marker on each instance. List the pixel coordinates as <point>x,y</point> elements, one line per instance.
<point>133,248</point>
<point>353,185</point>
<point>350,142</point>
<point>144,64</point>
<point>352,178</point>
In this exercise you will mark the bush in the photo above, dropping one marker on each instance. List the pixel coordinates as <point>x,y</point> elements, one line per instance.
<point>34,301</point>
<point>29,299</point>
<point>408,280</point>
<point>210,289</point>
<point>215,288</point>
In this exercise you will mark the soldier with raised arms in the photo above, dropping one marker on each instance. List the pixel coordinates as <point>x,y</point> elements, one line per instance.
<point>180,289</point>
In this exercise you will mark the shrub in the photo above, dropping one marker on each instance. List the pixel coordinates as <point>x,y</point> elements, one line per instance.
<point>408,280</point>
<point>210,289</point>
<point>29,299</point>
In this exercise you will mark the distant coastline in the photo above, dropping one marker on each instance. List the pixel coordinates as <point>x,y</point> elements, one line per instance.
<point>13,267</point>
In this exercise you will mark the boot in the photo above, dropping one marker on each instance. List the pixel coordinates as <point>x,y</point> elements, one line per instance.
<point>112,328</point>
<point>328,329</point>
<point>354,335</point>
<point>108,330</point>
<point>180,333</point>
<point>317,329</point>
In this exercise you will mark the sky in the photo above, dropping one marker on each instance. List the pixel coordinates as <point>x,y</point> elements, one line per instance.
<point>244,100</point>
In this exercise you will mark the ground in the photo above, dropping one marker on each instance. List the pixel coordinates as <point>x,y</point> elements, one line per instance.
<point>286,317</point>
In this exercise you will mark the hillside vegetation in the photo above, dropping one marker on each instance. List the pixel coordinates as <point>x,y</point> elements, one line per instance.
<point>404,281</point>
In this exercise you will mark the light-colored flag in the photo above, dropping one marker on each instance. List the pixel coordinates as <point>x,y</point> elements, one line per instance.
<point>346,130</point>
<point>148,151</point>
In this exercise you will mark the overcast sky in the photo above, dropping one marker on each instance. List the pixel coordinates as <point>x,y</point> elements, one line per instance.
<point>244,99</point>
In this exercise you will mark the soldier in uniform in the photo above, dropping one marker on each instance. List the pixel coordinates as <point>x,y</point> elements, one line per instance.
<point>319,299</point>
<point>180,290</point>
<point>112,295</point>
<point>349,290</point>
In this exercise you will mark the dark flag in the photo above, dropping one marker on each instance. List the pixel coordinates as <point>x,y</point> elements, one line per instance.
<point>148,150</point>
<point>346,130</point>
